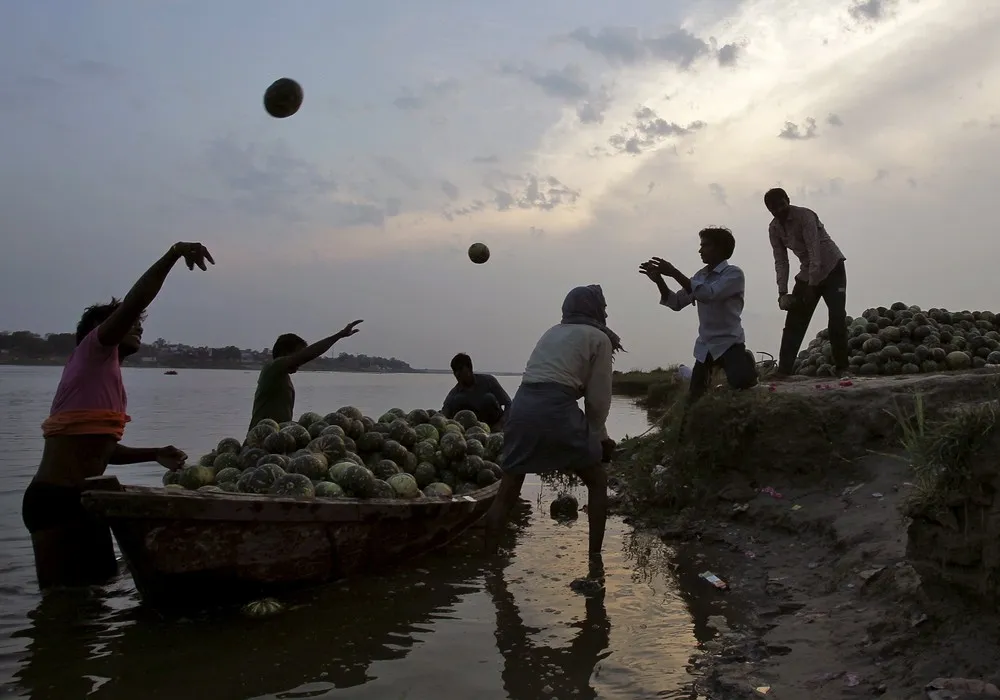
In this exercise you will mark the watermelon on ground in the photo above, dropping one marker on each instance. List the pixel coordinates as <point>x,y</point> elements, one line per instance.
<point>195,476</point>
<point>281,442</point>
<point>226,460</point>
<point>312,465</point>
<point>359,481</point>
<point>228,474</point>
<point>257,480</point>
<point>383,490</point>
<point>299,434</point>
<point>426,431</point>
<point>328,489</point>
<point>229,446</point>
<point>453,446</point>
<point>308,418</point>
<point>385,468</point>
<point>250,456</point>
<point>437,490</point>
<point>392,449</point>
<point>466,419</point>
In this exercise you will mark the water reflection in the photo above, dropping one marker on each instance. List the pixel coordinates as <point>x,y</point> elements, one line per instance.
<point>531,670</point>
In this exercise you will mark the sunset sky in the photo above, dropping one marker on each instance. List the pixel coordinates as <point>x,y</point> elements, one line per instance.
<point>574,138</point>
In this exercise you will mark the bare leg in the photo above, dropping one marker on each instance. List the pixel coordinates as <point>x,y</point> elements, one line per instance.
<point>596,479</point>
<point>496,517</point>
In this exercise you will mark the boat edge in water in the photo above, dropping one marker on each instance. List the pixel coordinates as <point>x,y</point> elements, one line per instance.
<point>190,549</point>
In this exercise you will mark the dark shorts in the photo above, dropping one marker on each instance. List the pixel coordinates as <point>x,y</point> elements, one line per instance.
<point>78,549</point>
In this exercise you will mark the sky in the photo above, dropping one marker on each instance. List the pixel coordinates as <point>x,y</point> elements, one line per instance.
<point>576,138</point>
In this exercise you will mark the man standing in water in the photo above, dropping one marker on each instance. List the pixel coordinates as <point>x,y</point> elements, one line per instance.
<point>821,274</point>
<point>83,430</point>
<point>275,395</point>
<point>479,393</point>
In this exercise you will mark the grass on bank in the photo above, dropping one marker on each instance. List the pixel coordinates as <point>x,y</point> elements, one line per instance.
<point>953,456</point>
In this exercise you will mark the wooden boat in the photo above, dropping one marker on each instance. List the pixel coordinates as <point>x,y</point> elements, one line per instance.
<point>188,547</point>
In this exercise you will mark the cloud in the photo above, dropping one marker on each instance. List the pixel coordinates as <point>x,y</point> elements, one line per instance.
<point>566,83</point>
<point>793,132</point>
<point>426,95</point>
<point>871,10</point>
<point>627,46</point>
<point>718,193</point>
<point>511,192</point>
<point>592,110</point>
<point>834,120</point>
<point>647,130</point>
<point>450,190</point>
<point>486,160</point>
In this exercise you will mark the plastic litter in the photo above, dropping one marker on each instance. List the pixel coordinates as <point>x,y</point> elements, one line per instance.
<point>762,689</point>
<point>714,580</point>
<point>769,490</point>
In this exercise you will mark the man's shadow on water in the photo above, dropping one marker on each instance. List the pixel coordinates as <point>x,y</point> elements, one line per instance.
<point>533,670</point>
<point>85,643</point>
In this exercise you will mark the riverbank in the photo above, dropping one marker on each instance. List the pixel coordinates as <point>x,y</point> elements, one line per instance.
<point>853,522</point>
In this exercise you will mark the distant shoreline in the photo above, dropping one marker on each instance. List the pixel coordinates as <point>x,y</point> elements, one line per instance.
<point>56,362</point>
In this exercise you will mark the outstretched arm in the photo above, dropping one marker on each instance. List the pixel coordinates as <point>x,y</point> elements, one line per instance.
<point>672,300</point>
<point>780,259</point>
<point>169,456</point>
<point>120,322</point>
<point>317,349</point>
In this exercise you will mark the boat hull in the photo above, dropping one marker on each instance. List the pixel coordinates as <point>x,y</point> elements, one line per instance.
<point>189,548</point>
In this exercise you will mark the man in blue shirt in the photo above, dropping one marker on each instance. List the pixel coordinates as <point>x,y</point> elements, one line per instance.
<point>479,393</point>
<point>717,290</point>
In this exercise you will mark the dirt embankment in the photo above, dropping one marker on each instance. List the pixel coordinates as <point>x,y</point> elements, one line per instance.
<point>857,526</point>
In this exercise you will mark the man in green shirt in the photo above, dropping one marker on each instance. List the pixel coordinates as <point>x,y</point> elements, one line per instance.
<point>275,395</point>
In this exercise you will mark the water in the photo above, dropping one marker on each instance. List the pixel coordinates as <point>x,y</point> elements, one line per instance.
<point>450,624</point>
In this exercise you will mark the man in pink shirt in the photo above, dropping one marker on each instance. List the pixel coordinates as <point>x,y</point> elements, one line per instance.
<point>83,433</point>
<point>821,275</point>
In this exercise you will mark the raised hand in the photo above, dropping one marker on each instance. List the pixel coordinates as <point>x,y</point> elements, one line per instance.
<point>193,254</point>
<point>349,329</point>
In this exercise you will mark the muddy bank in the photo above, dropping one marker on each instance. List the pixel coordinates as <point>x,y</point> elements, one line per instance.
<point>855,524</point>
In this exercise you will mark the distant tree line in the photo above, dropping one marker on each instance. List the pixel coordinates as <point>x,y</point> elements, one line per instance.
<point>25,347</point>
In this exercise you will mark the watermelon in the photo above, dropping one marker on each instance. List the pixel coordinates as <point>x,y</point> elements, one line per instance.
<point>209,488</point>
<point>316,429</point>
<point>229,446</point>
<point>355,429</point>
<point>424,451</point>
<point>313,466</point>
<point>308,418</point>
<point>258,434</point>
<point>485,427</point>
<point>453,427</point>
<point>334,430</point>
<point>171,477</point>
<point>486,477</point>
<point>384,469</point>
<point>227,486</point>
<point>195,476</point>
<point>383,490</point>
<point>359,481</point>
<point>410,463</point>
<point>338,419</point>
<point>425,432</point>
<point>226,460</point>
<point>382,428</point>
<point>470,467</point>
<point>438,422</point>
<point>477,433</point>
<point>281,460</point>
<point>370,442</point>
<point>367,422</point>
<point>387,417</point>
<point>404,486</point>
<point>328,489</point>
<point>350,445</point>
<point>453,446</point>
<point>474,447</point>
<point>250,456</point>
<point>495,468</point>
<point>354,457</point>
<point>351,412</point>
<point>294,485</point>
<point>208,460</point>
<point>331,446</point>
<point>257,480</point>
<point>270,423</point>
<point>447,476</point>
<point>372,458</point>
<point>281,442</point>
<point>299,434</point>
<point>424,474</point>
<point>465,487</point>
<point>228,474</point>
<point>174,487</point>
<point>337,471</point>
<point>417,417</point>
<point>494,445</point>
<point>437,490</point>
<point>466,419</point>
<point>394,451</point>
<point>958,360</point>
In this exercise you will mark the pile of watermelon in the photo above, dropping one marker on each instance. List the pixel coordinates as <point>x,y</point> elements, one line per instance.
<point>344,454</point>
<point>905,339</point>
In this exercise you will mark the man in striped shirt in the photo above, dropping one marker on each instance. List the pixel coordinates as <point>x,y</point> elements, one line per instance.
<point>821,275</point>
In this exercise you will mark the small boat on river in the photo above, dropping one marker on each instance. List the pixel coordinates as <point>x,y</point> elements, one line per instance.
<point>188,548</point>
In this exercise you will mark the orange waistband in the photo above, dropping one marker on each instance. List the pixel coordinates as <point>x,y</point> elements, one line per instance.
<point>86,422</point>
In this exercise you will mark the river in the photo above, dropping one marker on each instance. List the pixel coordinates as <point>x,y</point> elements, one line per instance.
<point>451,624</point>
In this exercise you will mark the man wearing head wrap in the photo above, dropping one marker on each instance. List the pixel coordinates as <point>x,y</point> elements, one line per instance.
<point>545,430</point>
